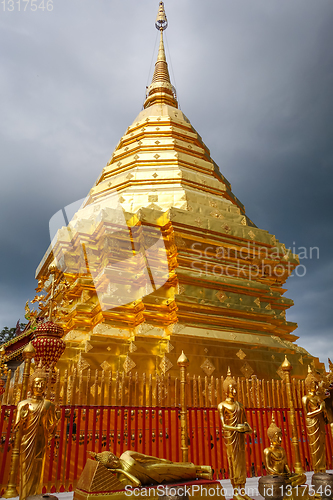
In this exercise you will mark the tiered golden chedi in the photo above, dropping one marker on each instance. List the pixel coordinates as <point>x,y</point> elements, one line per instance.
<point>162,257</point>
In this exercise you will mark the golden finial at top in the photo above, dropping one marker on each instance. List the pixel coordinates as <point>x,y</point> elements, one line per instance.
<point>161,22</point>
<point>182,360</point>
<point>286,365</point>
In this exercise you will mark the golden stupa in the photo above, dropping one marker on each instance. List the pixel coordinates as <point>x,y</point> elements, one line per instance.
<point>161,258</point>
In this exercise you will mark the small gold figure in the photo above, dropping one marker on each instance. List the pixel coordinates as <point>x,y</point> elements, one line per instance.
<point>316,418</point>
<point>276,458</point>
<point>36,421</point>
<point>138,469</point>
<point>234,427</point>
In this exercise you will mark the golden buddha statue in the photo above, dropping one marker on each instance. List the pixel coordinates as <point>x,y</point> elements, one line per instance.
<point>36,421</point>
<point>276,458</point>
<point>138,469</point>
<point>316,418</point>
<point>234,427</point>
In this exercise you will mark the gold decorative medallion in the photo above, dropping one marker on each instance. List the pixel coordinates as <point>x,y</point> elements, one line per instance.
<point>106,366</point>
<point>241,354</point>
<point>247,370</point>
<point>257,302</point>
<point>165,364</point>
<point>128,364</point>
<point>251,234</point>
<point>132,347</point>
<point>208,367</point>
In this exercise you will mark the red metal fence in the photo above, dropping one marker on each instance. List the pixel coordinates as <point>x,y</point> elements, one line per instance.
<point>153,431</point>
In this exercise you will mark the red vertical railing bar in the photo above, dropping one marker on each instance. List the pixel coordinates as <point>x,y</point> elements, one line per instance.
<point>8,432</point>
<point>157,432</point>
<point>209,434</point>
<point>122,424</point>
<point>144,419</point>
<point>191,456</point>
<point>69,447</point>
<point>61,440</point>
<point>203,441</point>
<point>100,432</point>
<point>108,427</point>
<point>164,435</point>
<point>86,432</point>
<point>207,440</point>
<point>115,430</point>
<point>77,443</point>
<point>150,438</point>
<point>170,433</point>
<point>129,428</point>
<point>177,435</point>
<point>196,434</point>
<point>215,445</point>
<point>136,427</point>
<point>93,440</point>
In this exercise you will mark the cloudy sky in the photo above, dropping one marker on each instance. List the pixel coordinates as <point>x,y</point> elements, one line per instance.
<point>255,77</point>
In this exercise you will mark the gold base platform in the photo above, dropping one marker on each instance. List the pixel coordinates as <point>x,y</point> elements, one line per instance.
<point>98,483</point>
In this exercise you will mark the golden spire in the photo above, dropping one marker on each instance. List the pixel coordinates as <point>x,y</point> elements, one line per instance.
<point>161,91</point>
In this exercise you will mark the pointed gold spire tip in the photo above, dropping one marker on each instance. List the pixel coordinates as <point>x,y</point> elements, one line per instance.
<point>160,90</point>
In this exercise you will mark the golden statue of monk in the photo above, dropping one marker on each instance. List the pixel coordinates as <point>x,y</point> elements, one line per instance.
<point>316,418</point>
<point>138,469</point>
<point>234,427</point>
<point>36,421</point>
<point>276,458</point>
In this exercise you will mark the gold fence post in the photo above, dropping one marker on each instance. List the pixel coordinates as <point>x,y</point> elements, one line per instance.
<point>286,367</point>
<point>183,362</point>
<point>11,490</point>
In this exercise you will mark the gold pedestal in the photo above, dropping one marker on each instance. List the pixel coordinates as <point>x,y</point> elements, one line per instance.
<point>98,483</point>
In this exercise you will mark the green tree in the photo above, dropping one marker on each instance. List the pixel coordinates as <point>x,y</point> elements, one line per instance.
<point>9,333</point>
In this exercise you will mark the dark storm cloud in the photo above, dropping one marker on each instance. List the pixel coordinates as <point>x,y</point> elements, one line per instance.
<point>254,77</point>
